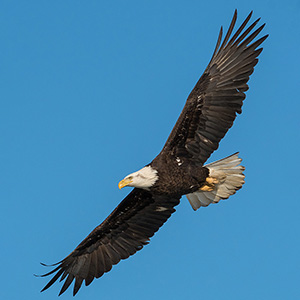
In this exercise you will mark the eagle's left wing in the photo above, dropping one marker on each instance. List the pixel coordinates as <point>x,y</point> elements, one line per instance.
<point>218,96</point>
<point>125,231</point>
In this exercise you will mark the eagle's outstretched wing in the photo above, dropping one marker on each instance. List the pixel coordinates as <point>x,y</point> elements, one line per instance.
<point>218,96</point>
<point>125,231</point>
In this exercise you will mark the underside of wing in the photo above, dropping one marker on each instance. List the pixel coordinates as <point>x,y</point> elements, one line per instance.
<point>125,231</point>
<point>218,96</point>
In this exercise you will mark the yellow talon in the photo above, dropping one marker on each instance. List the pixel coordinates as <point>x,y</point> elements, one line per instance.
<point>209,184</point>
<point>212,180</point>
<point>206,188</point>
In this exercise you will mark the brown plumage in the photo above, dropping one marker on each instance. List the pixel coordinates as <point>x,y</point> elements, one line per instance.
<point>218,95</point>
<point>209,112</point>
<point>123,232</point>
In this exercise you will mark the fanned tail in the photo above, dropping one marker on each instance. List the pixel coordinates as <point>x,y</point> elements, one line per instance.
<point>225,178</point>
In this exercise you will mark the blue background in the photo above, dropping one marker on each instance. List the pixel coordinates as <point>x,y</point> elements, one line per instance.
<point>90,91</point>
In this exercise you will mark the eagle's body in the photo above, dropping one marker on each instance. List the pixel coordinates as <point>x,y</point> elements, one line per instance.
<point>179,169</point>
<point>179,178</point>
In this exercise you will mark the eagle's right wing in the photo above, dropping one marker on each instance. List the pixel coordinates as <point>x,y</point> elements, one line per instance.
<point>126,230</point>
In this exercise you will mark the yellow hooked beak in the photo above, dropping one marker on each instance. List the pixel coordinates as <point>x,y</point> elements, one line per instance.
<point>124,182</point>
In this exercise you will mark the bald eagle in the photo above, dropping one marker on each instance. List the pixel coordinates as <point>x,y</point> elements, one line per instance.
<point>179,168</point>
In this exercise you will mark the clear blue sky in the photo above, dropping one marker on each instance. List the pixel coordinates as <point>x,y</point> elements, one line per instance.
<point>89,93</point>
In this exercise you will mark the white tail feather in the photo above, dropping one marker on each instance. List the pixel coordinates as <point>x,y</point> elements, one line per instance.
<point>230,177</point>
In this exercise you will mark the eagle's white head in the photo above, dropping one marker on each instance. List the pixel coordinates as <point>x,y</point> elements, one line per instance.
<point>143,179</point>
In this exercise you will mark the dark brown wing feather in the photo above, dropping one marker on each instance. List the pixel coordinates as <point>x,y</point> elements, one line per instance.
<point>218,95</point>
<point>126,230</point>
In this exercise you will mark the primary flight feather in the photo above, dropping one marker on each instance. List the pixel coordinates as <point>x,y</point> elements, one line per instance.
<point>179,169</point>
